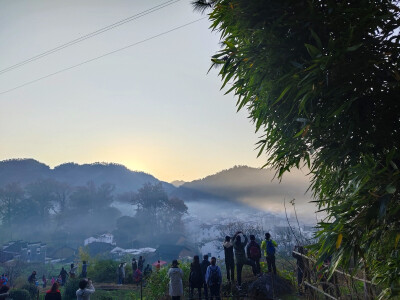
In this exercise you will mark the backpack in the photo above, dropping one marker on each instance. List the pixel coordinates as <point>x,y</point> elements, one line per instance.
<point>214,277</point>
<point>270,248</point>
<point>254,252</point>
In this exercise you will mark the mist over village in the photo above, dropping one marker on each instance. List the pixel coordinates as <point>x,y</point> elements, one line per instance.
<point>202,149</point>
<point>106,208</point>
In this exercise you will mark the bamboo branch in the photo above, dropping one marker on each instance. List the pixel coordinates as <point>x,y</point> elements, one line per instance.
<point>319,290</point>
<point>340,272</point>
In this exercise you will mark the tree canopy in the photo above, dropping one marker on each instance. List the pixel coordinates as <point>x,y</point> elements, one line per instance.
<point>157,212</point>
<point>321,81</point>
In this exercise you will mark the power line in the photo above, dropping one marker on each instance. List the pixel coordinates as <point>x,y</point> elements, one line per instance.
<point>89,35</point>
<point>101,56</point>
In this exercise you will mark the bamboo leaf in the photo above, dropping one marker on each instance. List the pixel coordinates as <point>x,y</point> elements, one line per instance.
<point>391,189</point>
<point>316,38</point>
<point>353,48</point>
<point>282,94</point>
<point>339,240</point>
<point>312,50</point>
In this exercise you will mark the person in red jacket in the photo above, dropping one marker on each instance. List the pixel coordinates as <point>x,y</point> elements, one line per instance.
<point>53,293</point>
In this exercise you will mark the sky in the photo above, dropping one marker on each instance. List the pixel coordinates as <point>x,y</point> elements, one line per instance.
<point>152,107</point>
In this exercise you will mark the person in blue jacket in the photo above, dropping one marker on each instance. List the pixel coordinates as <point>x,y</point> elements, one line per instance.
<point>214,279</point>
<point>269,245</point>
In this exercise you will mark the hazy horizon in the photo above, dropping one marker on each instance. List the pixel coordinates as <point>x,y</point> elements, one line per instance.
<point>52,166</point>
<point>152,107</point>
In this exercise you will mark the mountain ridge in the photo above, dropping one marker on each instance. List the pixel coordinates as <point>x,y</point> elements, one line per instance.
<point>237,182</point>
<point>240,184</point>
<point>27,170</point>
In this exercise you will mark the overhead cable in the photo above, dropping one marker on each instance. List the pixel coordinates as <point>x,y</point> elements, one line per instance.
<point>89,35</point>
<point>101,56</point>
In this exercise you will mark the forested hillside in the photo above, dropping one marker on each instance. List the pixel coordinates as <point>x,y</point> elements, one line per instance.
<point>242,181</point>
<point>25,171</point>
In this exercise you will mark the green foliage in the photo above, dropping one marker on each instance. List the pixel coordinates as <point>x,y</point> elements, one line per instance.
<point>157,284</point>
<point>321,80</point>
<point>90,197</point>
<point>20,294</point>
<point>10,197</point>
<point>71,286</point>
<point>31,288</point>
<point>104,271</point>
<point>111,295</point>
<point>164,212</point>
<point>123,234</point>
<point>103,295</point>
<point>84,255</point>
<point>52,204</point>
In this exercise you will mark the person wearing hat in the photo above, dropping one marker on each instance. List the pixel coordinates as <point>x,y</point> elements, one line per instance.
<point>175,275</point>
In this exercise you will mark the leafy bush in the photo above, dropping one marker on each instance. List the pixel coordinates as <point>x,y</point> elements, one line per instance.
<point>71,287</point>
<point>157,284</point>
<point>325,95</point>
<point>20,294</point>
<point>111,295</point>
<point>32,290</point>
<point>19,282</point>
<point>104,271</point>
<point>103,295</point>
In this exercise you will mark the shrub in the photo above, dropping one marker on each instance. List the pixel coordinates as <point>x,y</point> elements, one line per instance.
<point>104,271</point>
<point>111,295</point>
<point>71,287</point>
<point>19,282</point>
<point>20,294</point>
<point>103,295</point>
<point>32,290</point>
<point>157,284</point>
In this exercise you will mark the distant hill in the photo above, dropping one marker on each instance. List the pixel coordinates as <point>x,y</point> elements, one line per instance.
<point>241,184</point>
<point>26,171</point>
<point>238,182</point>
<point>177,183</point>
<point>251,186</point>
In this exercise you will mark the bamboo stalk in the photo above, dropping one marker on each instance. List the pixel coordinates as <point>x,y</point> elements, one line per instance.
<point>319,290</point>
<point>338,271</point>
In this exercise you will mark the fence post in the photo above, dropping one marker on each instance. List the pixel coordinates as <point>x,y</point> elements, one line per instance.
<point>141,289</point>
<point>368,292</point>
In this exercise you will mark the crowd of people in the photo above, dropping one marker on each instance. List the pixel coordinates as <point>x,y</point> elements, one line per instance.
<point>138,271</point>
<point>61,279</point>
<point>206,275</point>
<point>85,285</point>
<point>4,286</point>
